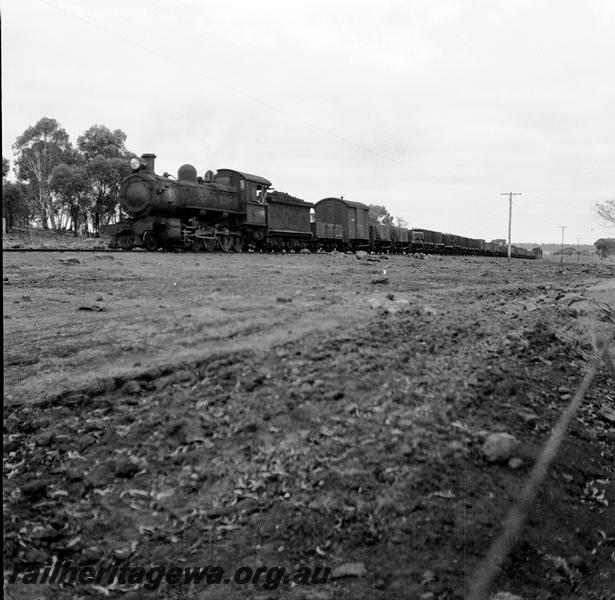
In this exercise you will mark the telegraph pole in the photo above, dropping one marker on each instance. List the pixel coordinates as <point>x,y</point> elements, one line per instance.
<point>578,249</point>
<point>510,195</point>
<point>561,261</point>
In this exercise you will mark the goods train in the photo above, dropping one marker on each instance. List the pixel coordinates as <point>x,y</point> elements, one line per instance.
<point>234,211</point>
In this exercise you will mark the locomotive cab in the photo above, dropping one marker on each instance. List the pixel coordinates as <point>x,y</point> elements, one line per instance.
<point>252,191</point>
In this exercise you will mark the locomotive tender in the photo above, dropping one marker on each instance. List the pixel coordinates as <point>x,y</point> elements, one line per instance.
<point>232,211</point>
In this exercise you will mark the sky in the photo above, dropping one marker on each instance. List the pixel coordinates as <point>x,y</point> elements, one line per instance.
<point>432,108</point>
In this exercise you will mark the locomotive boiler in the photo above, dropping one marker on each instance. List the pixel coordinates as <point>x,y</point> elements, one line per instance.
<point>228,210</point>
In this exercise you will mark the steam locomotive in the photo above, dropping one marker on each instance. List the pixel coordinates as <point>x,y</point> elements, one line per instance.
<point>233,211</point>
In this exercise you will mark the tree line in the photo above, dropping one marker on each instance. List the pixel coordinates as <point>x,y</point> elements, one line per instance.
<point>62,186</point>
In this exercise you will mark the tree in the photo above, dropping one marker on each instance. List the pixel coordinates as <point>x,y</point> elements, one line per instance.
<point>72,186</point>
<point>379,214</point>
<point>606,211</point>
<point>38,150</point>
<point>17,204</point>
<point>5,167</point>
<point>605,247</point>
<point>107,163</point>
<point>400,222</point>
<point>99,140</point>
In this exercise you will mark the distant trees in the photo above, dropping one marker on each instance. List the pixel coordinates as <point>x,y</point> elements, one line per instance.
<point>107,162</point>
<point>399,222</point>
<point>18,204</point>
<point>17,201</point>
<point>71,185</point>
<point>606,211</point>
<point>605,247</point>
<point>379,214</point>
<point>38,150</point>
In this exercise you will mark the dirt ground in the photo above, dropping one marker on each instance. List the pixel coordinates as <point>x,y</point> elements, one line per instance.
<point>301,410</point>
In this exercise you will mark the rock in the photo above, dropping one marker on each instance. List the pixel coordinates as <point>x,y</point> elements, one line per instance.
<point>126,468</point>
<point>607,413</point>
<point>380,280</point>
<point>34,490</point>
<point>505,596</point>
<point>85,441</point>
<point>388,304</point>
<point>360,254</point>
<point>427,596</point>
<point>41,423</point>
<point>94,425</point>
<point>123,552</point>
<point>44,439</point>
<point>578,562</point>
<point>305,251</point>
<point>35,555</point>
<point>529,416</point>
<point>283,299</point>
<point>457,449</point>
<point>355,569</point>
<point>73,474</point>
<point>428,577</point>
<point>101,476</point>
<point>515,463</point>
<point>429,310</point>
<point>91,554</point>
<point>177,430</point>
<point>499,447</point>
<point>131,387</point>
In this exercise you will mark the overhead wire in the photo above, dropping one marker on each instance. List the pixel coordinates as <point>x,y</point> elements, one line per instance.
<point>191,69</point>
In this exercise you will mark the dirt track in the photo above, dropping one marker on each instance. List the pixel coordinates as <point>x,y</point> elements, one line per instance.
<point>274,413</point>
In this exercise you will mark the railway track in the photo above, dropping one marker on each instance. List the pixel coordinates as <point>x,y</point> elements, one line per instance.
<point>60,250</point>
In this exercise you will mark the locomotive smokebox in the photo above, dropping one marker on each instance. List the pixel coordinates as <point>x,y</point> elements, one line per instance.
<point>150,160</point>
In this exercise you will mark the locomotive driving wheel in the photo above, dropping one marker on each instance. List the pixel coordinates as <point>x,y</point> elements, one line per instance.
<point>236,243</point>
<point>224,237</point>
<point>150,241</point>
<point>206,243</point>
<point>209,244</point>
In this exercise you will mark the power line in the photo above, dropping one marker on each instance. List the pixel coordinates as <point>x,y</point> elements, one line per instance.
<point>311,124</point>
<point>510,195</point>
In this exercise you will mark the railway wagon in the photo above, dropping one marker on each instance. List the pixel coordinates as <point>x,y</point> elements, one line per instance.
<point>453,244</point>
<point>380,237</point>
<point>400,238</point>
<point>426,240</point>
<point>352,216</point>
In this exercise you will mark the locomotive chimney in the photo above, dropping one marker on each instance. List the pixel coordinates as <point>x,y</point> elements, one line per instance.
<point>149,159</point>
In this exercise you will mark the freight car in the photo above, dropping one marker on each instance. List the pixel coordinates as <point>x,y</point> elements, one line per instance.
<point>231,211</point>
<point>351,219</point>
